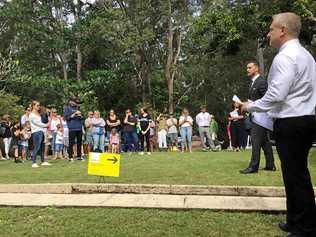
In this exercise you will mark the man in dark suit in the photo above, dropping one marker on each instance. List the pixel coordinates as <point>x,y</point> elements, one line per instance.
<point>259,134</point>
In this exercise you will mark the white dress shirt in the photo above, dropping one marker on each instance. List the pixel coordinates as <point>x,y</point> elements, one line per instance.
<point>203,119</point>
<point>254,79</point>
<point>292,84</point>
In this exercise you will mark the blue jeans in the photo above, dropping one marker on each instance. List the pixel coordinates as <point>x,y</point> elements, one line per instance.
<point>98,142</point>
<point>131,141</point>
<point>53,142</point>
<point>186,137</point>
<point>38,146</point>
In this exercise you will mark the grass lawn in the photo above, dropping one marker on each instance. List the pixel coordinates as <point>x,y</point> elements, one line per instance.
<point>109,222</point>
<point>197,168</point>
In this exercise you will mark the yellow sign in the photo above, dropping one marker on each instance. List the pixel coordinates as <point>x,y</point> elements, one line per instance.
<point>104,164</point>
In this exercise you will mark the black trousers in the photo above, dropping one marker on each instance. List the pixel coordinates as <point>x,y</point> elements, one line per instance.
<point>237,133</point>
<point>75,136</point>
<point>259,139</point>
<point>144,137</point>
<point>294,137</point>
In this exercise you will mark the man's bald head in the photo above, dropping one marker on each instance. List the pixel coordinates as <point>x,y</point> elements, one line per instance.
<point>290,21</point>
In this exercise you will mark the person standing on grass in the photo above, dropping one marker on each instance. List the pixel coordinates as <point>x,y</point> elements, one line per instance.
<point>131,138</point>
<point>114,142</point>
<point>37,130</point>
<point>203,120</point>
<point>59,142</point>
<point>98,132</point>
<point>237,127</point>
<point>25,116</point>
<point>290,100</point>
<point>45,116</point>
<point>73,116</point>
<point>144,121</point>
<point>55,121</point>
<point>112,122</point>
<point>186,124</point>
<point>16,134</point>
<point>88,132</point>
<point>259,134</point>
<point>25,137</point>
<point>7,135</point>
<point>65,138</point>
<point>172,124</point>
<point>162,132</point>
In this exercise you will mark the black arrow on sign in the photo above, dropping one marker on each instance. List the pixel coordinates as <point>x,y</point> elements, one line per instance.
<point>114,159</point>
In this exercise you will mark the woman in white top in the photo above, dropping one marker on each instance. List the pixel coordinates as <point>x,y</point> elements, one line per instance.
<point>186,123</point>
<point>37,130</point>
<point>98,132</point>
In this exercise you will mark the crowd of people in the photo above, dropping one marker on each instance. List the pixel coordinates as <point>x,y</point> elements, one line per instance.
<point>42,131</point>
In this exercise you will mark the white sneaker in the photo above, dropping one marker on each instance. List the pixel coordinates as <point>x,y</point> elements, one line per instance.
<point>148,153</point>
<point>35,165</point>
<point>45,163</point>
<point>141,153</point>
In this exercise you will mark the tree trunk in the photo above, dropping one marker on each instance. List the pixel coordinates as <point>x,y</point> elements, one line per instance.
<point>64,62</point>
<point>79,62</point>
<point>168,75</point>
<point>260,57</point>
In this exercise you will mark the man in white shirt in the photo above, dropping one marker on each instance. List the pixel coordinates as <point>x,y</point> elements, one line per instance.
<point>290,100</point>
<point>203,120</point>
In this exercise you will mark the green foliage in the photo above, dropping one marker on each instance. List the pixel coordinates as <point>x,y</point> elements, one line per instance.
<point>123,45</point>
<point>111,90</point>
<point>9,104</point>
<point>56,91</point>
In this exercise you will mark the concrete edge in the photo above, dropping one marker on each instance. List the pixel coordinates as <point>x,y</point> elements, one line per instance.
<point>145,201</point>
<point>91,188</point>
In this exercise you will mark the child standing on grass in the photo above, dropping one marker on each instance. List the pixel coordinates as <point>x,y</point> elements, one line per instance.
<point>24,139</point>
<point>59,143</point>
<point>65,138</point>
<point>152,136</point>
<point>114,141</point>
<point>16,133</point>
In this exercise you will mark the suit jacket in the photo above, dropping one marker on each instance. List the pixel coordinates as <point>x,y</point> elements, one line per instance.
<point>258,89</point>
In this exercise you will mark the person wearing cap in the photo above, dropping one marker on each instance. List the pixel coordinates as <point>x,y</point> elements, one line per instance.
<point>73,117</point>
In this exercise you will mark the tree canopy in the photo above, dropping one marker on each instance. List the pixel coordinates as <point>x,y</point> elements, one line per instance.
<point>167,54</point>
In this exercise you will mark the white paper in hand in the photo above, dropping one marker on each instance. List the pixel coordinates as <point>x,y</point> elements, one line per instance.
<point>236,99</point>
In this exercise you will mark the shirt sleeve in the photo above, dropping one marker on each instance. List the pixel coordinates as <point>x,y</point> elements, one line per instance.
<point>281,78</point>
<point>67,113</point>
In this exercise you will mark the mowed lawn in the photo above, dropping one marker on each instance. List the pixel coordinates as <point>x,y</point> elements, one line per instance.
<point>121,222</point>
<point>197,168</point>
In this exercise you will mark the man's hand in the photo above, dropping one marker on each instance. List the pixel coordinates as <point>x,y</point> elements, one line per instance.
<point>244,107</point>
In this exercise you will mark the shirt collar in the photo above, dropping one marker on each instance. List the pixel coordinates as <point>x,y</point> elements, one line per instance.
<point>290,42</point>
<point>254,78</point>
